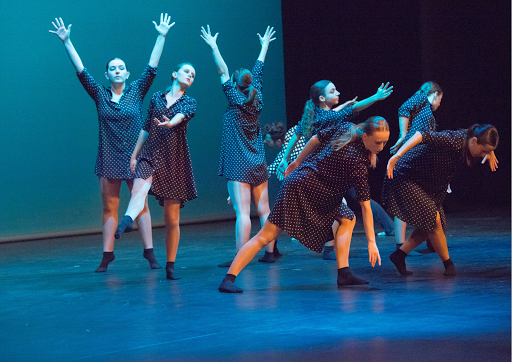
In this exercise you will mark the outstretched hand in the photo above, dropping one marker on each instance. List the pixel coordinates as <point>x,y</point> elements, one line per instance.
<point>384,91</point>
<point>165,124</point>
<point>61,30</point>
<point>208,38</point>
<point>268,37</point>
<point>391,165</point>
<point>165,24</point>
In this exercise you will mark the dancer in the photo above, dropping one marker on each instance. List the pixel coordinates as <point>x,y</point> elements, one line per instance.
<point>164,165</point>
<point>320,113</point>
<point>120,120</point>
<point>417,182</point>
<point>242,157</point>
<point>415,115</point>
<point>310,198</point>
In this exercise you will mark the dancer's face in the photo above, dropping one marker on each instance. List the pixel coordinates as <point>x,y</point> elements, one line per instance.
<point>185,76</point>
<point>331,95</point>
<point>376,142</point>
<point>117,72</point>
<point>478,150</point>
<point>436,101</point>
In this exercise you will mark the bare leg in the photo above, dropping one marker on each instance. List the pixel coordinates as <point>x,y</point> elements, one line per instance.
<point>260,197</point>
<point>438,240</point>
<point>172,234</point>
<point>143,222</point>
<point>268,233</point>
<point>240,194</point>
<point>329,253</point>
<point>400,227</point>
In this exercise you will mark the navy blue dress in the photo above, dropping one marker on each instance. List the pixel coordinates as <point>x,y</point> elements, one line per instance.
<point>421,177</point>
<point>310,198</point>
<point>242,156</point>
<point>419,111</point>
<point>120,123</point>
<point>165,153</point>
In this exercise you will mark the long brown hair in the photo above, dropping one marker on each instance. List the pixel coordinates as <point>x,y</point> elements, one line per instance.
<point>243,81</point>
<point>486,134</point>
<point>370,126</point>
<point>316,90</point>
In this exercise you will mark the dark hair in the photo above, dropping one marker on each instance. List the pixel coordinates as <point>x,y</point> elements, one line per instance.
<point>370,126</point>
<point>108,63</point>
<point>276,132</point>
<point>177,69</point>
<point>486,134</point>
<point>316,90</point>
<point>429,87</point>
<point>243,81</point>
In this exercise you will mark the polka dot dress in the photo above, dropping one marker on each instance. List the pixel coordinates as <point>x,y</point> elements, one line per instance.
<point>165,153</point>
<point>295,152</point>
<point>419,111</point>
<point>421,178</point>
<point>242,156</point>
<point>310,198</point>
<point>119,123</point>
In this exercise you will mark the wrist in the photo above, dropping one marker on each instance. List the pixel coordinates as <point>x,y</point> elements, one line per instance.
<point>64,40</point>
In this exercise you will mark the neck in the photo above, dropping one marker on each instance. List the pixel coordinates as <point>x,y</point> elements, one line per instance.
<point>176,90</point>
<point>117,88</point>
<point>324,105</point>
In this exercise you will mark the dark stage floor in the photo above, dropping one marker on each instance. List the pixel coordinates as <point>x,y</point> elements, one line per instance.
<point>55,308</point>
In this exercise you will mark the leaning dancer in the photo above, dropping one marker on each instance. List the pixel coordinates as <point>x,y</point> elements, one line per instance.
<point>164,164</point>
<point>417,180</point>
<point>120,120</point>
<point>310,198</point>
<point>242,156</point>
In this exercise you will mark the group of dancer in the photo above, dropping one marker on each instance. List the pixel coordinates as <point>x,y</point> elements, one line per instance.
<point>152,156</point>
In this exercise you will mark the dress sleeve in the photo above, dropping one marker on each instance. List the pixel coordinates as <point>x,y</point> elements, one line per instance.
<point>145,80</point>
<point>257,75</point>
<point>445,139</point>
<point>92,87</point>
<point>410,107</point>
<point>346,114</point>
<point>360,180</point>
<point>188,108</point>
<point>233,96</point>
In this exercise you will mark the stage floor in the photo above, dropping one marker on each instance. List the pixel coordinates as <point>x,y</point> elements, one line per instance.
<point>55,308</point>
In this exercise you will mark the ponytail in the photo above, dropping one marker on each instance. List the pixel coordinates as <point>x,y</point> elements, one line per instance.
<point>429,88</point>
<point>243,80</point>
<point>307,118</point>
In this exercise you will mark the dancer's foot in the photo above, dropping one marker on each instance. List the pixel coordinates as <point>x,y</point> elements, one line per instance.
<point>267,258</point>
<point>124,226</point>
<point>345,277</point>
<point>398,258</point>
<point>329,253</point>
<point>450,268</point>
<point>226,264</point>
<point>169,271</point>
<point>150,256</point>
<point>277,254</point>
<point>108,256</point>
<point>411,253</point>
<point>228,285</point>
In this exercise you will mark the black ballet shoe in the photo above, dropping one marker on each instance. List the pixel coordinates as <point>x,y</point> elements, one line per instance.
<point>228,285</point>
<point>345,277</point>
<point>150,256</point>
<point>329,253</point>
<point>169,271</point>
<point>267,258</point>
<point>412,252</point>
<point>124,227</point>
<point>398,258</point>
<point>277,254</point>
<point>108,256</point>
<point>226,264</point>
<point>450,268</point>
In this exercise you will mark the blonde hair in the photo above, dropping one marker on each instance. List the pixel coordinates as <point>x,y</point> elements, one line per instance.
<point>370,126</point>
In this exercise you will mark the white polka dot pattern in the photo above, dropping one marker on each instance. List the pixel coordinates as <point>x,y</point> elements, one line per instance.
<point>419,111</point>
<point>242,156</point>
<point>119,123</point>
<point>165,154</point>
<point>421,178</point>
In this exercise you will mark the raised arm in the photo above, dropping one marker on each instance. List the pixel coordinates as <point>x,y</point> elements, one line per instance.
<point>413,141</point>
<point>403,123</point>
<point>310,147</point>
<point>382,93</point>
<point>64,34</point>
<point>373,251</point>
<point>265,41</point>
<point>163,29</point>
<point>222,68</point>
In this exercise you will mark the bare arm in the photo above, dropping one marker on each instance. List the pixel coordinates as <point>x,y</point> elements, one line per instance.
<point>143,135</point>
<point>289,148</point>
<point>413,141</point>
<point>345,105</point>
<point>265,41</point>
<point>382,93</point>
<point>170,123</point>
<point>163,29</point>
<point>373,251</point>
<point>403,123</point>
<point>308,149</point>
<point>63,34</point>
<point>222,68</point>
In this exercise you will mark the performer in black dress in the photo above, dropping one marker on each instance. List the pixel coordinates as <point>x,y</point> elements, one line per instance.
<point>120,121</point>
<point>416,115</point>
<point>310,198</point>
<point>164,165</point>
<point>417,180</point>
<point>242,156</point>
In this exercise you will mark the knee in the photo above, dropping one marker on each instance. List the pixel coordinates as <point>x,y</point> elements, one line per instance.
<point>172,223</point>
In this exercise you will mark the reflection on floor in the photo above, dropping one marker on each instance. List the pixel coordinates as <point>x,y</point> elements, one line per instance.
<point>55,308</point>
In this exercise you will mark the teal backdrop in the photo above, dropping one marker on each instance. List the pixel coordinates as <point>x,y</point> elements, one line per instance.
<point>49,137</point>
